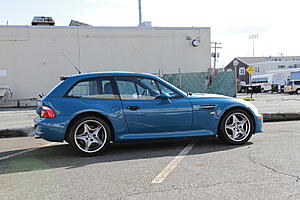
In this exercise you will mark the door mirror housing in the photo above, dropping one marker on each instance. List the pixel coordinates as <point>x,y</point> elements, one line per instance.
<point>163,96</point>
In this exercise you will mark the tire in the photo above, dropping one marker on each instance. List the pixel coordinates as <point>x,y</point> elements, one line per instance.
<point>297,91</point>
<point>89,136</point>
<point>236,127</point>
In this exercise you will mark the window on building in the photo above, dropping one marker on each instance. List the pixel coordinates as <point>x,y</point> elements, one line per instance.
<point>256,69</point>
<point>242,71</point>
<point>281,66</point>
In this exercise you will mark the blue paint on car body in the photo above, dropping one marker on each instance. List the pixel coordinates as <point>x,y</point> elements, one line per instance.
<point>182,116</point>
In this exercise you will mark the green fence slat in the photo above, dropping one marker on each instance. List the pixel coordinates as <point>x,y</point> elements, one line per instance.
<point>223,83</point>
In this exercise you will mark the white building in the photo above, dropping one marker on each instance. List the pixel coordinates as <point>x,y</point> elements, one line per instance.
<point>263,65</point>
<point>283,64</point>
<point>32,58</point>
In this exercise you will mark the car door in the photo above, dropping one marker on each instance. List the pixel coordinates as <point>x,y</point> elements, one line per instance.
<point>147,112</point>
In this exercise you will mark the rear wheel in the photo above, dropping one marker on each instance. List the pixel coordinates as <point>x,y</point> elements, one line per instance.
<point>298,91</point>
<point>237,127</point>
<point>89,136</point>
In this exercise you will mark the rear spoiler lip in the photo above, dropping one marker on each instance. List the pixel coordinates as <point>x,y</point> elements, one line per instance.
<point>62,78</point>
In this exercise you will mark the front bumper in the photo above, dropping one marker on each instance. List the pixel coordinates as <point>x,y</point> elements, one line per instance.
<point>51,129</point>
<point>259,120</point>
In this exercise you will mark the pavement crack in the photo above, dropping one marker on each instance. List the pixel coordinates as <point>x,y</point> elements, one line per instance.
<point>178,187</point>
<point>297,178</point>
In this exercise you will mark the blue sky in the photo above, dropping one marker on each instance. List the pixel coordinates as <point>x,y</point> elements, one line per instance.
<point>231,21</point>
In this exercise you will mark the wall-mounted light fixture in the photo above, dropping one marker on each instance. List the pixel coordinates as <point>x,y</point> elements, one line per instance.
<point>195,42</point>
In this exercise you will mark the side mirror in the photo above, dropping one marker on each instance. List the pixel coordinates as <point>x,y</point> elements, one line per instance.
<point>163,96</point>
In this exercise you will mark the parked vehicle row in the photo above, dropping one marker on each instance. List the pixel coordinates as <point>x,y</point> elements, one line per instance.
<point>292,87</point>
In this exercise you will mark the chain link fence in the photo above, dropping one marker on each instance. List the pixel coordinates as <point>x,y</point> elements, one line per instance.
<point>203,82</point>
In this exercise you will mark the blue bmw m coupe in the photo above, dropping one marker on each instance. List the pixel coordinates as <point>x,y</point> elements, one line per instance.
<point>89,111</point>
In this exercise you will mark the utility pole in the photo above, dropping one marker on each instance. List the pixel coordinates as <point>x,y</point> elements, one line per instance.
<point>140,12</point>
<point>215,46</point>
<point>253,37</point>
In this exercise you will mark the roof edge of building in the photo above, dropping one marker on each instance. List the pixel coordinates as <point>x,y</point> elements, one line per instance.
<point>103,27</point>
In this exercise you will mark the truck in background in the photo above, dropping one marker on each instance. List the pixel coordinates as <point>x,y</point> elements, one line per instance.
<point>269,82</point>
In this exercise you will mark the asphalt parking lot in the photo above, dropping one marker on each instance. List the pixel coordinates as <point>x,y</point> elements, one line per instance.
<point>267,167</point>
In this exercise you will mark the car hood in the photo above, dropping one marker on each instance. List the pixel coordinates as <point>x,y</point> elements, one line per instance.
<point>206,95</point>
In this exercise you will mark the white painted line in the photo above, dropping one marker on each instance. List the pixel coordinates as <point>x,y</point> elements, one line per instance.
<point>27,150</point>
<point>171,166</point>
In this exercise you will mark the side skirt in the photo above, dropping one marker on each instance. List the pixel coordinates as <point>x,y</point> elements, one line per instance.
<point>180,134</point>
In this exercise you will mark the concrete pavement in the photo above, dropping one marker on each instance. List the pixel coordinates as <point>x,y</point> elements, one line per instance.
<point>275,103</point>
<point>276,107</point>
<point>267,167</point>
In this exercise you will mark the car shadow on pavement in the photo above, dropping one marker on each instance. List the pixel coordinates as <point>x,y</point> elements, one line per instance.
<point>62,156</point>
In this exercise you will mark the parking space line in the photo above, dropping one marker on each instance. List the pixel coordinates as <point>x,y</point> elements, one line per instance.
<point>171,166</point>
<point>27,150</point>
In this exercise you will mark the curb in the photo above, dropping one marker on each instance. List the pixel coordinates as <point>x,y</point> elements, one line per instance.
<point>21,132</point>
<point>277,117</point>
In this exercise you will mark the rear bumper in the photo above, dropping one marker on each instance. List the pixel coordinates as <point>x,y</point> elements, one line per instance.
<point>51,129</point>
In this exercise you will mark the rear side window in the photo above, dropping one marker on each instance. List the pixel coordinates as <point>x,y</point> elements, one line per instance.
<point>100,88</point>
<point>297,82</point>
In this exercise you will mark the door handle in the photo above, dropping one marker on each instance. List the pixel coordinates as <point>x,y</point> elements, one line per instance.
<point>133,107</point>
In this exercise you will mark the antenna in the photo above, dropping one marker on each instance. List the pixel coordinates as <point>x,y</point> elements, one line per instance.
<point>79,72</point>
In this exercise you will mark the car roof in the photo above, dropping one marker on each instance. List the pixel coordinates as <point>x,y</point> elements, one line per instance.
<point>110,73</point>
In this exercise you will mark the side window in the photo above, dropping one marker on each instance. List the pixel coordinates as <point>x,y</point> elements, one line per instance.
<point>101,88</point>
<point>166,90</point>
<point>127,89</point>
<point>136,88</point>
<point>297,82</point>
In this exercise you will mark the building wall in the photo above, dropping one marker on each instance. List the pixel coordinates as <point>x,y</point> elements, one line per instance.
<point>33,58</point>
<point>266,67</point>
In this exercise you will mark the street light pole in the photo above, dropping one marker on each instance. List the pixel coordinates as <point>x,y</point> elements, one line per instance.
<point>253,37</point>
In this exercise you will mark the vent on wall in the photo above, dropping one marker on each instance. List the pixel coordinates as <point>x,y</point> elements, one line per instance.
<point>77,23</point>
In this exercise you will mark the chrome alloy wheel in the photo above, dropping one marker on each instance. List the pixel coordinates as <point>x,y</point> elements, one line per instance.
<point>237,127</point>
<point>90,136</point>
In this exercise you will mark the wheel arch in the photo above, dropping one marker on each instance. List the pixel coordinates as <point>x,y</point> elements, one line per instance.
<point>90,113</point>
<point>236,108</point>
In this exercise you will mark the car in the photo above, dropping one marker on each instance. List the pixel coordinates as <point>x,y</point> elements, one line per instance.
<point>90,111</point>
<point>292,86</point>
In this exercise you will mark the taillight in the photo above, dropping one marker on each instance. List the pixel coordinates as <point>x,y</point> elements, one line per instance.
<point>47,112</point>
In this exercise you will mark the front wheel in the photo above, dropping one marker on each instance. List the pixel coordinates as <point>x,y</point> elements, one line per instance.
<point>298,91</point>
<point>89,136</point>
<point>237,127</point>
